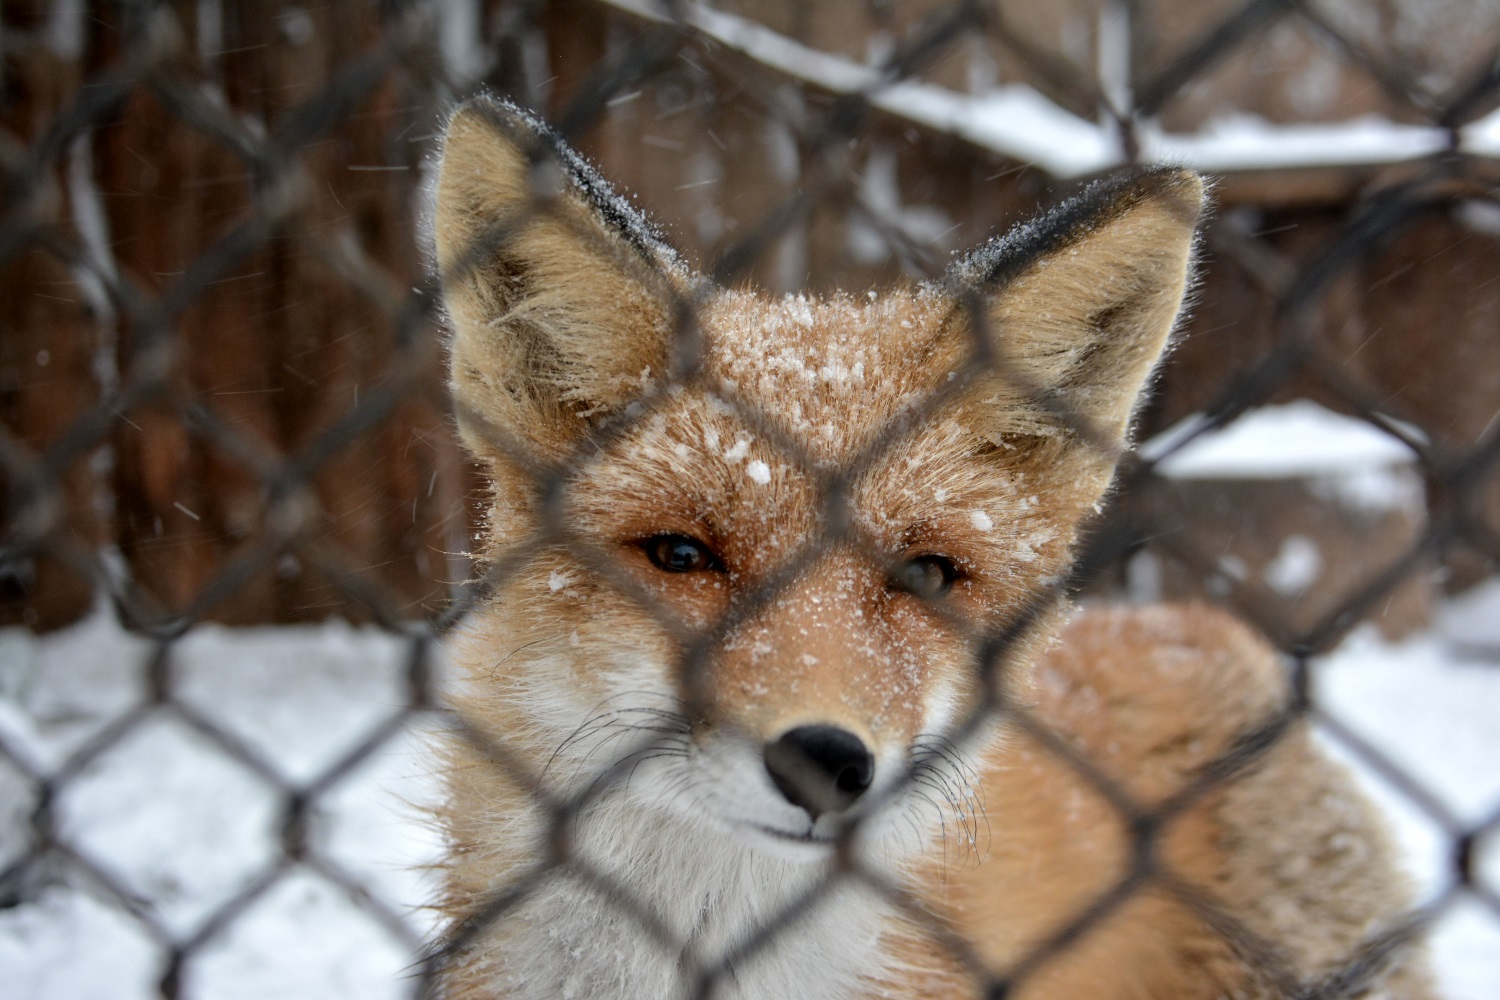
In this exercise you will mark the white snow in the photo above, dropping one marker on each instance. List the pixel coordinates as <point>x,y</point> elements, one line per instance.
<point>197,833</point>
<point>43,957</point>
<point>758,472</point>
<point>1295,568</point>
<point>1470,621</point>
<point>1433,715</point>
<point>1246,142</point>
<point>181,826</point>
<point>1013,120</point>
<point>1482,137</point>
<point>1299,439</point>
<point>268,951</point>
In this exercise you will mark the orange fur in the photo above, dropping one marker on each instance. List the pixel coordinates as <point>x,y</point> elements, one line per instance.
<point>815,450</point>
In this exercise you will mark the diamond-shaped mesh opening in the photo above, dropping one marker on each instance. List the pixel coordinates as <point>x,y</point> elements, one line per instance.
<point>219,805</point>
<point>352,678</point>
<point>304,936</point>
<point>226,428</point>
<point>41,947</point>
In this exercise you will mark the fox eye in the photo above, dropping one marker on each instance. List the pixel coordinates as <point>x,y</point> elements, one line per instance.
<point>679,554</point>
<point>927,577</point>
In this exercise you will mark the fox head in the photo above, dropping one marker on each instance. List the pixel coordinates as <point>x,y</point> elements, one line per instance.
<point>761,560</point>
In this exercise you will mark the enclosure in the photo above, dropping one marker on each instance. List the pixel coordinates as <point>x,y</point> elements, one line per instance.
<point>237,524</point>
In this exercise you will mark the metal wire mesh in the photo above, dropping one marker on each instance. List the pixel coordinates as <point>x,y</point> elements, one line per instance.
<point>326,157</point>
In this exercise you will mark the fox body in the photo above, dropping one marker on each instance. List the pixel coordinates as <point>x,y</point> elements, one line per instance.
<point>773,695</point>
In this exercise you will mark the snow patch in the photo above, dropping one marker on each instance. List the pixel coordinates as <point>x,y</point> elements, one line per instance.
<point>1246,142</point>
<point>1432,716</point>
<point>1296,567</point>
<point>267,951</point>
<point>41,954</point>
<point>1471,621</point>
<point>183,825</point>
<point>1295,440</point>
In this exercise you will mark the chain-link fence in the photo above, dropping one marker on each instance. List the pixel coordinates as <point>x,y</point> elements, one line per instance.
<point>225,405</point>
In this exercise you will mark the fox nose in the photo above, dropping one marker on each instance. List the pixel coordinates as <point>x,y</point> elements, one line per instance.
<point>823,769</point>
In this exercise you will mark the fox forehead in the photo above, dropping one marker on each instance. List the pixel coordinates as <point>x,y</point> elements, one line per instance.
<point>830,373</point>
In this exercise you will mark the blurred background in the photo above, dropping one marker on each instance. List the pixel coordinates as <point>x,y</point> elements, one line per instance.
<point>236,520</point>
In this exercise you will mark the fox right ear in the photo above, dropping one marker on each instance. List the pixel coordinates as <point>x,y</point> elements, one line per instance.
<point>559,294</point>
<point>1078,306</point>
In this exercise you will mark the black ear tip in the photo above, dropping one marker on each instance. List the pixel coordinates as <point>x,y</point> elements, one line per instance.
<point>1183,189</point>
<point>486,104</point>
<point>1180,191</point>
<point>482,127</point>
<point>519,125</point>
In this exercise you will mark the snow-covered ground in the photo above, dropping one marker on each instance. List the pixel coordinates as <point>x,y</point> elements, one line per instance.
<point>1431,706</point>
<point>183,827</point>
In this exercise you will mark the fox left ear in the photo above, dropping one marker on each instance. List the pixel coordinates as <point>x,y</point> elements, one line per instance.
<point>1076,307</point>
<point>560,296</point>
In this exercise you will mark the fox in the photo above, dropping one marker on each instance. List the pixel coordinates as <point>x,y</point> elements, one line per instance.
<point>774,689</point>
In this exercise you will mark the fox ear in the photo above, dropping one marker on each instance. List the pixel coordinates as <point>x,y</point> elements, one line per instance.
<point>1077,307</point>
<point>559,294</point>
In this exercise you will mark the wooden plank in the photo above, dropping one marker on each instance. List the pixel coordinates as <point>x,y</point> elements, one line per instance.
<point>51,335</point>
<point>280,346</point>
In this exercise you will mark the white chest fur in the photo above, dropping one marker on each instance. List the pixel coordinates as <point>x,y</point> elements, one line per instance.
<point>761,925</point>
